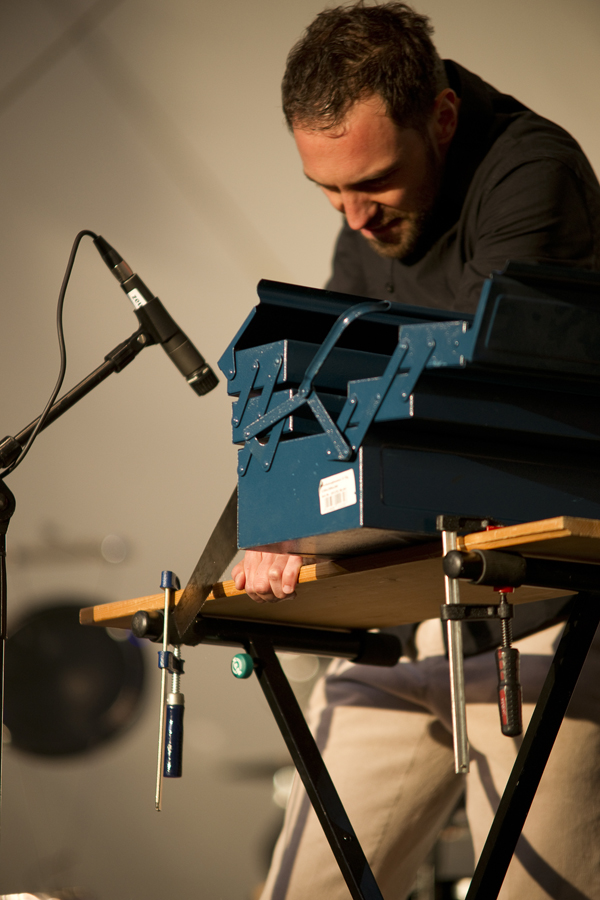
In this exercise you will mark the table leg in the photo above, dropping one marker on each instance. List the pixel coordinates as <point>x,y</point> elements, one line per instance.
<point>313,772</point>
<point>538,742</point>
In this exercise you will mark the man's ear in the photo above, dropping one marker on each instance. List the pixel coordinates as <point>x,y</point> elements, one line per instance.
<point>444,119</point>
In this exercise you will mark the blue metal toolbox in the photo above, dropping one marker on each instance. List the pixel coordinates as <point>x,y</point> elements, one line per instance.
<point>361,421</point>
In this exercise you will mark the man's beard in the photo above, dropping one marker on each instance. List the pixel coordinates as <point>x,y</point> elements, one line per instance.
<point>403,238</point>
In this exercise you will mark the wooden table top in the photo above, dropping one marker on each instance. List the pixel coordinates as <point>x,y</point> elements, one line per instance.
<point>383,589</point>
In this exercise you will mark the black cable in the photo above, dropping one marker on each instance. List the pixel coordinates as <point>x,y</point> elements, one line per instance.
<point>63,354</point>
<point>3,587</point>
<point>3,591</point>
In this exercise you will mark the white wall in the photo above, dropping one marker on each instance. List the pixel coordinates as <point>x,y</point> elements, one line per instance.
<point>158,125</point>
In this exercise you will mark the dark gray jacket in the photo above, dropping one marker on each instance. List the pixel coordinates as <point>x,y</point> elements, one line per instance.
<point>515,186</point>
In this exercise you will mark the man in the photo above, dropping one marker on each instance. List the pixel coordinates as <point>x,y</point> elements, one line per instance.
<point>440,180</point>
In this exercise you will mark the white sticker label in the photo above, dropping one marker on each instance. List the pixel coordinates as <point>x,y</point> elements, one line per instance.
<point>136,298</point>
<point>337,491</point>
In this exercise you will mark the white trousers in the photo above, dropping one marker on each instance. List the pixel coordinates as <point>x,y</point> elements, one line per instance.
<point>385,736</point>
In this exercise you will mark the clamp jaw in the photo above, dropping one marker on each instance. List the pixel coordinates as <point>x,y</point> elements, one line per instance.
<point>507,657</point>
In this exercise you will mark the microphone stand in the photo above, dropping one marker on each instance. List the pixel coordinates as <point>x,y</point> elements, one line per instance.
<point>11,447</point>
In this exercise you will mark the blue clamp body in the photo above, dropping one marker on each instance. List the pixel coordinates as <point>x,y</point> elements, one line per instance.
<point>169,579</point>
<point>167,660</point>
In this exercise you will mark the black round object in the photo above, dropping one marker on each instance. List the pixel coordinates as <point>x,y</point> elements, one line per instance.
<point>69,688</point>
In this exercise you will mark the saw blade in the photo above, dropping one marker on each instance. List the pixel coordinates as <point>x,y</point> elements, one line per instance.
<point>216,556</point>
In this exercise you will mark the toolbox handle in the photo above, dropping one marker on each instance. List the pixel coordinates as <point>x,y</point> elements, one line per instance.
<point>338,328</point>
<point>340,449</point>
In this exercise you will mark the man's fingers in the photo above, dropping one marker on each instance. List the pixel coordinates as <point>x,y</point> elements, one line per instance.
<point>267,580</point>
<point>267,577</point>
<point>253,561</point>
<point>239,576</point>
<point>291,571</point>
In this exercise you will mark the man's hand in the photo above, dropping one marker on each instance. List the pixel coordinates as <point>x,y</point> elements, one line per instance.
<point>267,577</point>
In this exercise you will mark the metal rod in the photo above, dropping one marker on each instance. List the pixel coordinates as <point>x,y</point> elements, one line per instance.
<point>373,649</point>
<point>115,361</point>
<point>176,677</point>
<point>457,674</point>
<point>163,700</point>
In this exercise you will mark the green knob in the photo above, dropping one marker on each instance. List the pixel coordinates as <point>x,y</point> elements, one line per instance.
<point>242,665</point>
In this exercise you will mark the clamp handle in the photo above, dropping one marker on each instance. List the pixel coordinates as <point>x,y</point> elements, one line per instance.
<point>510,695</point>
<point>173,760</point>
<point>509,691</point>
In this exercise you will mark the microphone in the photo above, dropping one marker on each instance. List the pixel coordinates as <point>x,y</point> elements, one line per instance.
<point>154,319</point>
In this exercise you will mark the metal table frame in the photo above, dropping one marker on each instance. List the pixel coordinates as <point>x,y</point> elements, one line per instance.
<point>262,640</point>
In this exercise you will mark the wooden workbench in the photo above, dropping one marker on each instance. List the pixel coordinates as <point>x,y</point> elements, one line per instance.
<point>382,589</point>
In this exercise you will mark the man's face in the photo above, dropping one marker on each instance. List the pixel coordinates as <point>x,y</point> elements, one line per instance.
<point>383,178</point>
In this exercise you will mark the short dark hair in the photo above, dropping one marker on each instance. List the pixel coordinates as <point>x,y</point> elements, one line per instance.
<point>351,52</point>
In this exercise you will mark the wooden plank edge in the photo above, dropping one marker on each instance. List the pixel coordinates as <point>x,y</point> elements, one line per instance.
<point>529,529</point>
<point>530,532</point>
<point>125,609</point>
<point>507,541</point>
<point>120,613</point>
